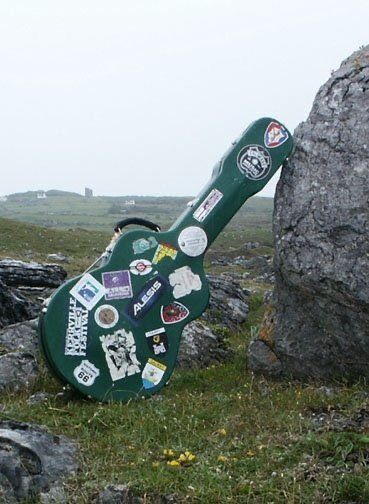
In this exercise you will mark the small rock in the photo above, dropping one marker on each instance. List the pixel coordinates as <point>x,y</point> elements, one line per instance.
<point>117,494</point>
<point>327,391</point>
<point>39,397</point>
<point>59,257</point>
<point>201,347</point>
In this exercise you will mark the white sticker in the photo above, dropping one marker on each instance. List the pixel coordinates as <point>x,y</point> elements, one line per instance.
<point>207,205</point>
<point>86,373</point>
<point>88,291</point>
<point>184,282</point>
<point>140,267</point>
<point>120,354</point>
<point>192,241</point>
<point>76,336</point>
<point>153,373</point>
<point>106,316</point>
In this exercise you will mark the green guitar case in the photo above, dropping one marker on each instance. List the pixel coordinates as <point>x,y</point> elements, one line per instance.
<point>114,333</point>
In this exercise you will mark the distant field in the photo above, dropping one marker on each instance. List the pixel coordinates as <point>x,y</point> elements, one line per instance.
<point>69,211</point>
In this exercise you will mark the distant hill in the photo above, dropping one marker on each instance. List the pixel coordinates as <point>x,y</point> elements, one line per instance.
<point>62,209</point>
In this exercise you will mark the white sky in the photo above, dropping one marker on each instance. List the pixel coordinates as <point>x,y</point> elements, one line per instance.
<point>143,97</point>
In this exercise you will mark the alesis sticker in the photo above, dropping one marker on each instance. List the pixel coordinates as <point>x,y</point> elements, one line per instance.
<point>106,316</point>
<point>146,298</point>
<point>152,373</point>
<point>173,313</point>
<point>157,341</point>
<point>117,285</point>
<point>88,291</point>
<point>140,267</point>
<point>275,135</point>
<point>207,205</point>
<point>120,354</point>
<point>184,282</point>
<point>254,162</point>
<point>76,337</point>
<point>192,241</point>
<point>86,373</point>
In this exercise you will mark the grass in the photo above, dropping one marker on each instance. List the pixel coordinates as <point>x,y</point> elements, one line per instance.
<point>251,440</point>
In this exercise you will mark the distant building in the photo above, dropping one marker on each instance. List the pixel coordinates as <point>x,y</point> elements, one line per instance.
<point>130,202</point>
<point>3,198</point>
<point>41,195</point>
<point>88,192</point>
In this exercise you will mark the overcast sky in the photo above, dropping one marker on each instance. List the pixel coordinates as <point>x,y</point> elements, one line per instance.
<point>143,97</point>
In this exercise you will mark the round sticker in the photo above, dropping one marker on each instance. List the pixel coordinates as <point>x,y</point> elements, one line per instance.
<point>140,267</point>
<point>193,241</point>
<point>254,161</point>
<point>106,316</point>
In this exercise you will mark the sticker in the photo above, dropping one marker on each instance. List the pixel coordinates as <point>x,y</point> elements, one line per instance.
<point>88,291</point>
<point>76,337</point>
<point>117,284</point>
<point>254,161</point>
<point>120,354</point>
<point>140,267</point>
<point>153,373</point>
<point>142,245</point>
<point>207,205</point>
<point>184,282</point>
<point>145,299</point>
<point>164,250</point>
<point>106,316</point>
<point>157,341</point>
<point>275,135</point>
<point>192,241</point>
<point>173,313</point>
<point>86,373</point>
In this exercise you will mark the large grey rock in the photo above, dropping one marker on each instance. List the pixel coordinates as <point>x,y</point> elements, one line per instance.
<point>18,370</point>
<point>14,307</point>
<point>32,274</point>
<point>321,229</point>
<point>33,463</point>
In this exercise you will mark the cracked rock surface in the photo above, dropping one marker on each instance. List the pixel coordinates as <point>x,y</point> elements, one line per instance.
<point>33,463</point>
<point>321,229</point>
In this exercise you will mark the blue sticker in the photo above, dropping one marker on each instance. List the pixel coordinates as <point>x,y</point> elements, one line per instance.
<point>146,298</point>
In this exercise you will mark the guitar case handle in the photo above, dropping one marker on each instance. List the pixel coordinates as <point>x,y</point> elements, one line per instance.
<point>136,220</point>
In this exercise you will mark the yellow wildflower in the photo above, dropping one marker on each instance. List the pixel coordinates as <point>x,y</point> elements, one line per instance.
<point>250,453</point>
<point>169,453</point>
<point>222,458</point>
<point>173,463</point>
<point>155,464</point>
<point>222,432</point>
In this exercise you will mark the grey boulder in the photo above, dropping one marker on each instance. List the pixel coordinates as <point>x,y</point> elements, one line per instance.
<point>33,463</point>
<point>321,229</point>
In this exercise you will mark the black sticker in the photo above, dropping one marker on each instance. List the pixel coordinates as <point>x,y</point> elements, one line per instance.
<point>254,161</point>
<point>146,298</point>
<point>157,341</point>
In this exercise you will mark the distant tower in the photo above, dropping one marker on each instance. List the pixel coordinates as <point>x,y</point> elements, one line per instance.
<point>88,192</point>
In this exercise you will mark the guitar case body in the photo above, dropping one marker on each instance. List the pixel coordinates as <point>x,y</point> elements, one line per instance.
<point>114,332</point>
